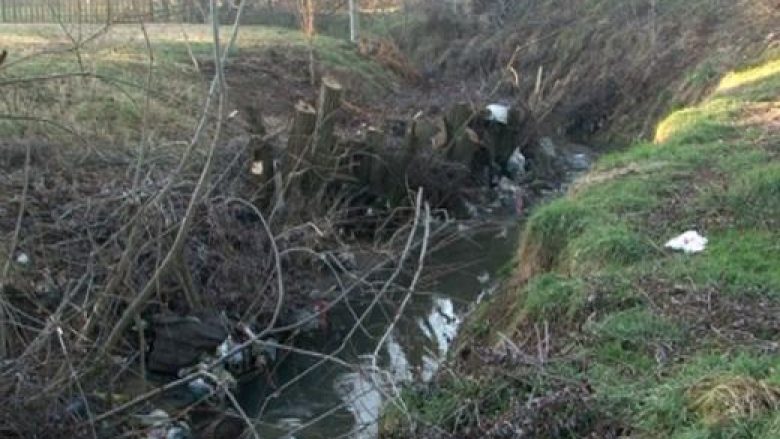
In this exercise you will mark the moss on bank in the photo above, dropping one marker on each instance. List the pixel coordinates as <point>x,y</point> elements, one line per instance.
<point>665,344</point>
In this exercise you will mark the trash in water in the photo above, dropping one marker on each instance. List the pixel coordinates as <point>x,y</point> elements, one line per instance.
<point>347,259</point>
<point>689,242</point>
<point>579,162</point>
<point>170,430</point>
<point>516,165</point>
<point>519,203</point>
<point>236,359</point>
<point>483,278</point>
<point>508,186</point>
<point>472,210</point>
<point>233,114</point>
<point>22,259</point>
<point>200,388</point>
<point>257,168</point>
<point>502,234</point>
<point>155,418</point>
<point>498,113</point>
<point>179,431</point>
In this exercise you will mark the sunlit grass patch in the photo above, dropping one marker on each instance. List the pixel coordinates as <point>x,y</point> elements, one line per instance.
<point>749,76</point>
<point>707,122</point>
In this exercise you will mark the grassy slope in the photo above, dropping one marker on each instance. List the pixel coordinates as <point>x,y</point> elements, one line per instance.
<point>672,345</point>
<point>110,109</point>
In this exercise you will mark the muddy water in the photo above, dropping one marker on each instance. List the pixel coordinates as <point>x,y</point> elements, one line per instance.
<point>332,401</point>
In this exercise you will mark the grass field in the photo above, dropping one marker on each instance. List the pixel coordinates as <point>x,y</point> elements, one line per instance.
<point>97,93</point>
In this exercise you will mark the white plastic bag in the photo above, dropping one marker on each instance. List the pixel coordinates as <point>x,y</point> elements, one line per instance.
<point>516,165</point>
<point>498,113</point>
<point>689,242</point>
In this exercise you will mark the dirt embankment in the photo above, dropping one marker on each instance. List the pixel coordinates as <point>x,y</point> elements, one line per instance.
<point>598,70</point>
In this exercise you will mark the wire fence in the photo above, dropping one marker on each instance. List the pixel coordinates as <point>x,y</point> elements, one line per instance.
<point>94,11</point>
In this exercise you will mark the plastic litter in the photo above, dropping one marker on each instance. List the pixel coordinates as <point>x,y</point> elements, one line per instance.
<point>22,259</point>
<point>257,168</point>
<point>200,388</point>
<point>508,186</point>
<point>689,242</point>
<point>498,113</point>
<point>224,349</point>
<point>516,164</point>
<point>155,418</point>
<point>579,162</point>
<point>483,278</point>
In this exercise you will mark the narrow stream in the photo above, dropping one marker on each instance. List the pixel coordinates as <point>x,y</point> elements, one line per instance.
<point>331,402</point>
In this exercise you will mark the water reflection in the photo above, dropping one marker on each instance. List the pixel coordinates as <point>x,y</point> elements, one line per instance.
<point>332,402</point>
<point>360,392</point>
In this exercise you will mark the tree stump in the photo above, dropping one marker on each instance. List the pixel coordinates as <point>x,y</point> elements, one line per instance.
<point>440,138</point>
<point>299,143</point>
<point>464,148</point>
<point>328,107</point>
<point>458,119</point>
<point>457,122</point>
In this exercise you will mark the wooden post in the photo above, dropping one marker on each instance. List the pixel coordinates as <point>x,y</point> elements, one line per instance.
<point>329,104</point>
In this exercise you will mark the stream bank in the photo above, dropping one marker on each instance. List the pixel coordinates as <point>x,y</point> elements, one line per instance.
<point>601,330</point>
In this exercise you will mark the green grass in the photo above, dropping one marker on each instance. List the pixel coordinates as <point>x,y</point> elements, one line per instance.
<point>708,171</point>
<point>451,404</point>
<point>738,262</point>
<point>553,297</point>
<point>636,325</point>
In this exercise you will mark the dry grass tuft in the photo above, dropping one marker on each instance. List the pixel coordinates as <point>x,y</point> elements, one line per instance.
<point>723,398</point>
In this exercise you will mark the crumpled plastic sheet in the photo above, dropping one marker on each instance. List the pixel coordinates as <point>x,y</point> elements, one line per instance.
<point>498,113</point>
<point>689,242</point>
